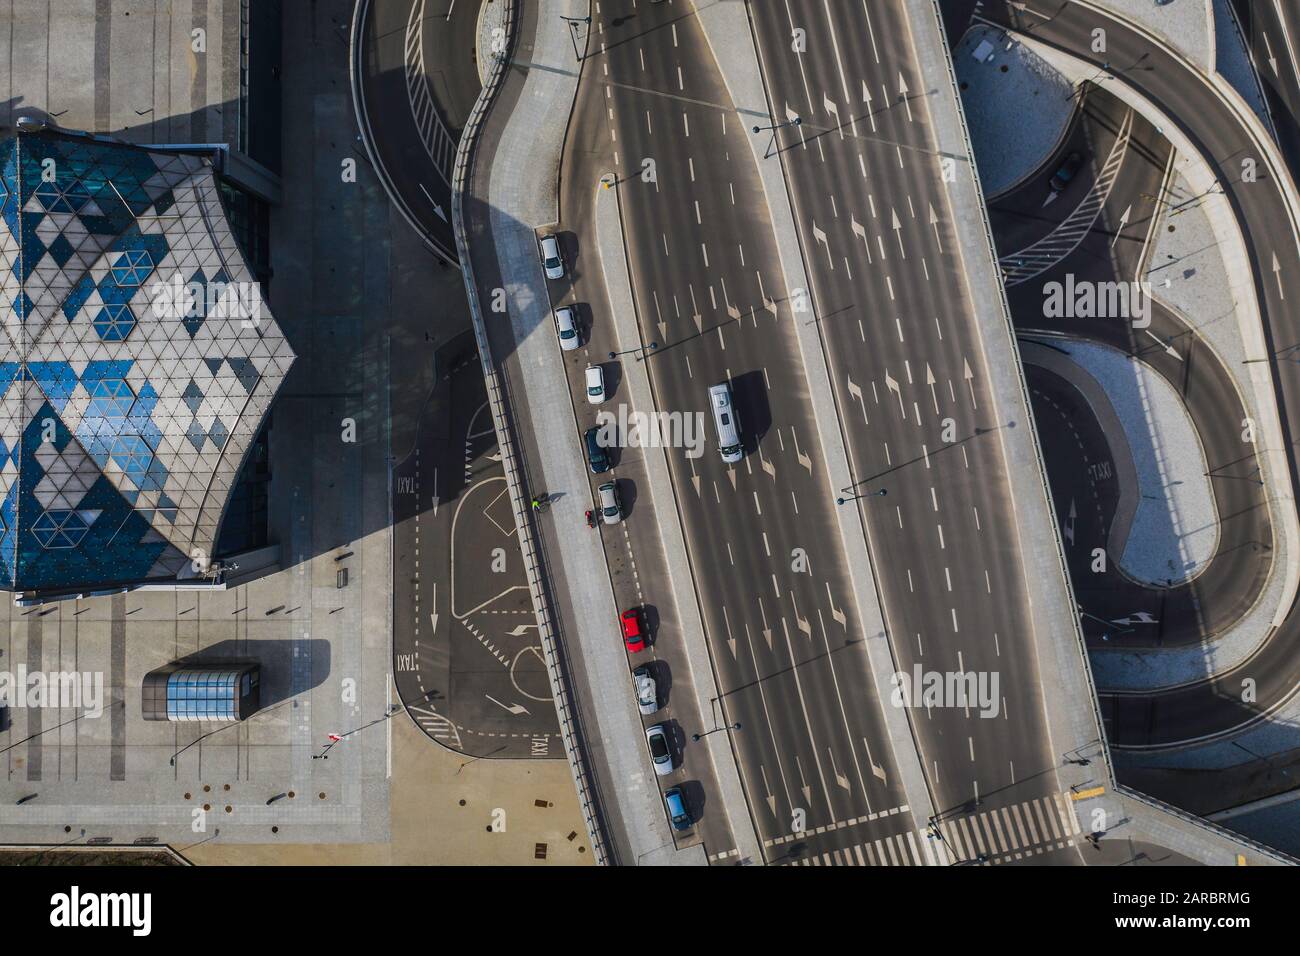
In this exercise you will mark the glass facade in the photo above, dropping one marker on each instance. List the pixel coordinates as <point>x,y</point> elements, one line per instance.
<point>192,691</point>
<point>137,361</point>
<point>203,695</point>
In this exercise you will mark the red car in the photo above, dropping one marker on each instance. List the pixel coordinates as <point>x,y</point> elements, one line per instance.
<point>633,632</point>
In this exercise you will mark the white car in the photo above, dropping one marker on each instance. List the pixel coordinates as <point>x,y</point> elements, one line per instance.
<point>647,695</point>
<point>566,328</point>
<point>551,261</point>
<point>611,509</point>
<point>661,755</point>
<point>595,384</point>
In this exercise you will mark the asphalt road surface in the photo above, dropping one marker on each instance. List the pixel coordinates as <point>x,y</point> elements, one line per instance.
<point>783,632</point>
<point>1272,29</point>
<point>467,663</point>
<point>1215,706</point>
<point>418,82</point>
<point>1116,245</point>
<point>911,394</point>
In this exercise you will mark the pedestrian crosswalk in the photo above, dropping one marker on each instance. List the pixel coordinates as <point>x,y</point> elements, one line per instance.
<point>1001,835</point>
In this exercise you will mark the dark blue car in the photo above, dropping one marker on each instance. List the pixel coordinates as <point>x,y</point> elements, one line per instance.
<point>597,454</point>
<point>675,801</point>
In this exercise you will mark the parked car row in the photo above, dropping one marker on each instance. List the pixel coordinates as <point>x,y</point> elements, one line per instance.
<point>659,736</point>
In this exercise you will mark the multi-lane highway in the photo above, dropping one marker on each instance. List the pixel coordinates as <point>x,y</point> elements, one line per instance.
<point>911,391</point>
<point>784,634</point>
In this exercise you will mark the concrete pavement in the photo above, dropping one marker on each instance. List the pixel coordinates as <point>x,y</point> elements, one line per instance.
<point>513,194</point>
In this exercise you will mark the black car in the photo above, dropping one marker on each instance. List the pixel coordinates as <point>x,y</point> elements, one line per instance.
<point>597,454</point>
<point>1066,172</point>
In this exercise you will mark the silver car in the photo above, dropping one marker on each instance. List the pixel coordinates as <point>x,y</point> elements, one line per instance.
<point>595,380</point>
<point>647,695</point>
<point>661,754</point>
<point>551,261</point>
<point>566,328</point>
<point>611,509</point>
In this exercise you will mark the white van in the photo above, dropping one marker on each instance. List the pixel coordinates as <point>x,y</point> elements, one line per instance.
<point>728,425</point>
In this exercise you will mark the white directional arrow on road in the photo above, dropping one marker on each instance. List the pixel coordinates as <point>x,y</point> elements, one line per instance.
<point>1123,221</point>
<point>861,233</point>
<point>840,779</point>
<point>828,104</point>
<point>803,783</point>
<point>800,622</point>
<point>1137,617</point>
<point>433,615</point>
<point>1069,524</point>
<point>866,98</point>
<point>892,384</point>
<point>1023,7</point>
<point>820,236</point>
<point>515,709</point>
<point>838,613</point>
<point>929,380</point>
<point>856,392</point>
<point>967,374</point>
<point>1277,271</point>
<point>902,92</point>
<point>898,231</point>
<point>934,221</point>
<point>767,787</point>
<point>767,631</point>
<point>436,208</point>
<point>1163,344</point>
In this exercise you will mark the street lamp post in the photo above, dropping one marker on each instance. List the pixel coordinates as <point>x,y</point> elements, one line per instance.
<point>866,494</point>
<point>1105,623</point>
<point>335,738</point>
<point>698,737</point>
<point>172,761</point>
<point>794,121</point>
<point>1100,75</point>
<point>641,351</point>
<point>573,32</point>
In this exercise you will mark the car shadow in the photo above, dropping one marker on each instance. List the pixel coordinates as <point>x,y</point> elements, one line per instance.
<point>749,392</point>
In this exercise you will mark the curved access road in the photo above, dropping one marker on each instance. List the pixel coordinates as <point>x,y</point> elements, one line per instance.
<point>1120,610</point>
<point>414,81</point>
<point>1264,208</point>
